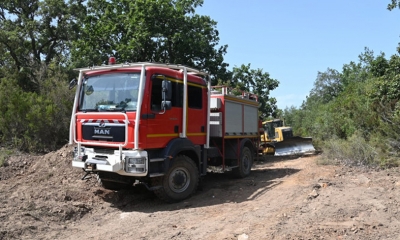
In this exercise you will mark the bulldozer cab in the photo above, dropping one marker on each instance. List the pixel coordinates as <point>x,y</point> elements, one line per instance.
<point>270,127</point>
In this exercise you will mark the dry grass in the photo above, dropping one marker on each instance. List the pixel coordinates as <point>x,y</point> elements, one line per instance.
<point>355,151</point>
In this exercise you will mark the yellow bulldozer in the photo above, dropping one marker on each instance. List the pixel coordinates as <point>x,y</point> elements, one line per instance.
<point>277,139</point>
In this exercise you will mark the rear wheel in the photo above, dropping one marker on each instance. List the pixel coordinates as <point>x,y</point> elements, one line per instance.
<point>245,163</point>
<point>180,181</point>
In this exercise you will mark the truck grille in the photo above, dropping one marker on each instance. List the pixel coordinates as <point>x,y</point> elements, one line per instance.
<point>109,133</point>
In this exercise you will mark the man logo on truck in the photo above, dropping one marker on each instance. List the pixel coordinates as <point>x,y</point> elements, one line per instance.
<point>100,131</point>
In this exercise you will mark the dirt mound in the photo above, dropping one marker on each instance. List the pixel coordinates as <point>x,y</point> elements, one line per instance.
<point>15,166</point>
<point>43,197</point>
<point>40,194</point>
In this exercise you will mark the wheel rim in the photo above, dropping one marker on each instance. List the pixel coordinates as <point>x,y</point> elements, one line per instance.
<point>246,161</point>
<point>179,180</point>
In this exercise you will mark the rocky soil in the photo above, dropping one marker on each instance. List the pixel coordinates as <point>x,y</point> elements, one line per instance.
<point>43,197</point>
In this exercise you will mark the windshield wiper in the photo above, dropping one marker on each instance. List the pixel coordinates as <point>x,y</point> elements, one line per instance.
<point>114,109</point>
<point>90,110</point>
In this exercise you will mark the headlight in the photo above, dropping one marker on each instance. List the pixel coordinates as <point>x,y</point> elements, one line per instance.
<point>81,155</point>
<point>135,165</point>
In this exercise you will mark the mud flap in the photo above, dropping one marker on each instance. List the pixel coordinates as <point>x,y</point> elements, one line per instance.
<point>294,146</point>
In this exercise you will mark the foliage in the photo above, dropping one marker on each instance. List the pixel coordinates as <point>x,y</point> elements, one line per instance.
<point>338,104</point>
<point>35,32</point>
<point>327,86</point>
<point>4,154</point>
<point>354,152</point>
<point>255,80</point>
<point>167,31</point>
<point>35,121</point>
<point>387,80</point>
<point>353,114</point>
<point>393,4</point>
<point>42,40</point>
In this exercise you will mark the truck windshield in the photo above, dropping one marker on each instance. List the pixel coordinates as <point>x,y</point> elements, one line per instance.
<point>110,92</point>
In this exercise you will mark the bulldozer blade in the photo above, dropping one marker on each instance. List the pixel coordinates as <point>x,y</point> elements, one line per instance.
<point>294,146</point>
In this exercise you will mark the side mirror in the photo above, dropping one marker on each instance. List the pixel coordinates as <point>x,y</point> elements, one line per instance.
<point>72,84</point>
<point>166,90</point>
<point>166,105</point>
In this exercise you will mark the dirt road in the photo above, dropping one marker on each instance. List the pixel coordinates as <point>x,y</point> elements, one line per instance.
<point>43,197</point>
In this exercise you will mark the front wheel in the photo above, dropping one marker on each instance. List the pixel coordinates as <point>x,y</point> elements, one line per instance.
<point>180,181</point>
<point>245,163</point>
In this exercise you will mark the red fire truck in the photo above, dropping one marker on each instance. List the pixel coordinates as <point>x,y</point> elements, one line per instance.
<point>160,125</point>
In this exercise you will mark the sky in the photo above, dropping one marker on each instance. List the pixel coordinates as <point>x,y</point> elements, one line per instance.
<point>293,40</point>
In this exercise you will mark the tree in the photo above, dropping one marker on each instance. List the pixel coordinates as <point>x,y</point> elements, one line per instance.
<point>258,82</point>
<point>339,103</point>
<point>327,86</point>
<point>36,32</point>
<point>379,66</point>
<point>393,4</point>
<point>386,84</point>
<point>166,31</point>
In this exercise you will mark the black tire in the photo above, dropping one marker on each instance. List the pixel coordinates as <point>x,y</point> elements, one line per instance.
<point>245,164</point>
<point>111,182</point>
<point>180,181</point>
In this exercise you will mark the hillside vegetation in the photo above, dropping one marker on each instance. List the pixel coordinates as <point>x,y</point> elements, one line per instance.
<point>353,114</point>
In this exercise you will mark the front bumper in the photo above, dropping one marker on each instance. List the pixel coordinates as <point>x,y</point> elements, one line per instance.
<point>125,162</point>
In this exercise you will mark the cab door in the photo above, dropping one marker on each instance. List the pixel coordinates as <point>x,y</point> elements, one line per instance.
<point>197,113</point>
<point>164,122</point>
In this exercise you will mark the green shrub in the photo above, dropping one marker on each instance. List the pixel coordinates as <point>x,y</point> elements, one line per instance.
<point>388,146</point>
<point>4,154</point>
<point>35,121</point>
